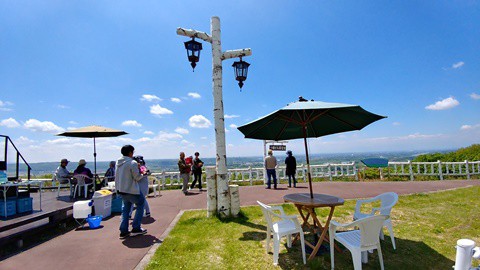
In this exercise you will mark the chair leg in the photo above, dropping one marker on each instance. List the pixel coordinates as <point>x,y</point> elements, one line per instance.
<point>382,236</point>
<point>276,248</point>
<point>58,192</point>
<point>289,240</point>
<point>357,259</point>
<point>380,256</point>
<point>364,257</point>
<point>332,249</point>
<point>392,236</point>
<point>267,245</point>
<point>302,243</point>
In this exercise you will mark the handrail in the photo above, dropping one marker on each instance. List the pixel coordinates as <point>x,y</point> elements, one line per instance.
<point>7,139</point>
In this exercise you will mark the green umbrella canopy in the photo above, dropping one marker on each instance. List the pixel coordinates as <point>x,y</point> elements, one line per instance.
<point>319,118</point>
<point>309,119</point>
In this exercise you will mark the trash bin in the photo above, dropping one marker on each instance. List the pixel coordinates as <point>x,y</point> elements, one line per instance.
<point>102,203</point>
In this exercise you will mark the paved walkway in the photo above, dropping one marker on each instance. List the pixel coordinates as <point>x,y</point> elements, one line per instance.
<point>101,248</point>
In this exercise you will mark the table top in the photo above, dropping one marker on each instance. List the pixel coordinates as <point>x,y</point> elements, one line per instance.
<point>319,200</point>
<point>22,183</point>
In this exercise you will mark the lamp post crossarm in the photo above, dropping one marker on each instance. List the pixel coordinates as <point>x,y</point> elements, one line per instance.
<point>194,34</point>
<point>236,53</point>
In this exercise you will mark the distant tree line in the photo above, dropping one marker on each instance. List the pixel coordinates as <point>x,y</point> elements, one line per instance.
<point>471,153</point>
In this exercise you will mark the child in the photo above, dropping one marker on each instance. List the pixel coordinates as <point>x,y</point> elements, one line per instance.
<point>143,183</point>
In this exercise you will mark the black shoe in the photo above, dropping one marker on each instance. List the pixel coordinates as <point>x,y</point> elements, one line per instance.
<point>289,186</point>
<point>140,231</point>
<point>275,187</point>
<point>267,188</point>
<point>124,235</point>
<point>147,215</point>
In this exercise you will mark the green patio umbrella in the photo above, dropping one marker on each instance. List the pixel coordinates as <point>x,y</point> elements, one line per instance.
<point>93,132</point>
<point>308,119</point>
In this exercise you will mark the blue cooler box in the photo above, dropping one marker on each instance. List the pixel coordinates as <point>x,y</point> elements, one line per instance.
<point>117,204</point>
<point>24,205</point>
<point>11,207</point>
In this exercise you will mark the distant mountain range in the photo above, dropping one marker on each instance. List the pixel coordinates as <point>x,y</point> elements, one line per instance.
<point>158,165</point>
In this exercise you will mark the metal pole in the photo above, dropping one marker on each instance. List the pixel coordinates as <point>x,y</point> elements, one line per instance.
<point>223,203</point>
<point>308,161</point>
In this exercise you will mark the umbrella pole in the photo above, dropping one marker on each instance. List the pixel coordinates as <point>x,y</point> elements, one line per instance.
<point>94,157</point>
<point>308,161</point>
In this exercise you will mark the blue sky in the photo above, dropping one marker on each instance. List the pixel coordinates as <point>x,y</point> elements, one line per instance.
<point>68,64</point>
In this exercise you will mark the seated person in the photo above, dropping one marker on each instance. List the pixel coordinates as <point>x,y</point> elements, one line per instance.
<point>62,174</point>
<point>81,169</point>
<point>110,174</point>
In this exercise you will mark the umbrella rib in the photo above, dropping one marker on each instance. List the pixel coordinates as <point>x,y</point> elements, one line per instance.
<point>345,122</point>
<point>283,128</point>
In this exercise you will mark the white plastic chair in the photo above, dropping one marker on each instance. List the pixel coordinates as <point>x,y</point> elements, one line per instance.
<point>360,241</point>
<point>62,182</point>
<point>81,182</point>
<point>388,200</point>
<point>286,226</point>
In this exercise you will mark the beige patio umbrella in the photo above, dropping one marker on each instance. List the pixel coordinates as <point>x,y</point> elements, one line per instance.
<point>93,132</point>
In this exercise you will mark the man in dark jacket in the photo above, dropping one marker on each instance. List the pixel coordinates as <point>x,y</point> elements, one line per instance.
<point>291,164</point>
<point>197,171</point>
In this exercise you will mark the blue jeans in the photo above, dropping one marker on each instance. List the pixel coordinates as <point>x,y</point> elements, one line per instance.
<point>270,173</point>
<point>128,201</point>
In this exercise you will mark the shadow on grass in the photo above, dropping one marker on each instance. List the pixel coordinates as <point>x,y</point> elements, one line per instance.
<point>244,220</point>
<point>408,255</point>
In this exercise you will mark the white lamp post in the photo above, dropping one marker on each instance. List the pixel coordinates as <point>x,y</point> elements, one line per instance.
<point>223,200</point>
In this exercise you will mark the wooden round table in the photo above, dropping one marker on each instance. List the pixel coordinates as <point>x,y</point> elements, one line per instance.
<point>306,207</point>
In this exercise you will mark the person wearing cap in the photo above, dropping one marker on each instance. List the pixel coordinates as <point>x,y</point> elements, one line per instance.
<point>62,174</point>
<point>291,164</point>
<point>270,165</point>
<point>81,169</point>
<point>197,171</point>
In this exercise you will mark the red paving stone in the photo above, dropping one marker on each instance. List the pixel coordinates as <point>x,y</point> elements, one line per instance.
<point>101,248</point>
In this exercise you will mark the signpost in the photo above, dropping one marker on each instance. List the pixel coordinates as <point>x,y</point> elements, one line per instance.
<point>277,147</point>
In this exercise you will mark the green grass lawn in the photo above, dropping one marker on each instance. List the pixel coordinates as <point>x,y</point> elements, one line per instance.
<point>426,227</point>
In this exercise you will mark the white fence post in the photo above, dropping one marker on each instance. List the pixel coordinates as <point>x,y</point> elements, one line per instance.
<point>410,170</point>
<point>250,176</point>
<point>440,171</point>
<point>467,170</point>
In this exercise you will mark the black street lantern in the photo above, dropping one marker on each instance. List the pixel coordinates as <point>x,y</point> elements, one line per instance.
<point>241,70</point>
<point>193,51</point>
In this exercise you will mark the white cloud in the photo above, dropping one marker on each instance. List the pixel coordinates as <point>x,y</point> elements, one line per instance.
<point>194,95</point>
<point>72,123</point>
<point>9,123</point>
<point>229,116</point>
<point>131,123</point>
<point>159,110</point>
<point>148,132</point>
<point>199,121</point>
<point>469,127</point>
<point>203,138</point>
<point>396,123</point>
<point>445,104</point>
<point>150,98</point>
<point>165,136</point>
<point>4,106</point>
<point>23,140</point>
<point>45,126</point>
<point>475,96</point>
<point>144,139</point>
<point>181,130</point>
<point>63,106</point>
<point>226,130</point>
<point>176,100</point>
<point>458,65</point>
<point>233,126</point>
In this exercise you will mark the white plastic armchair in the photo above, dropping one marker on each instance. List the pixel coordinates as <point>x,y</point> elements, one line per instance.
<point>62,182</point>
<point>82,181</point>
<point>388,200</point>
<point>358,241</point>
<point>285,226</point>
